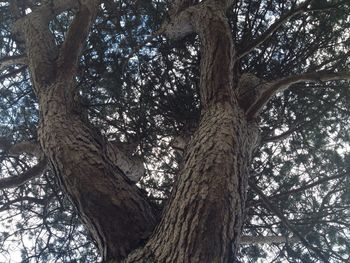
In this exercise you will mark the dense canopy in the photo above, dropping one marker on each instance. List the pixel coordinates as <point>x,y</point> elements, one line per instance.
<point>140,89</point>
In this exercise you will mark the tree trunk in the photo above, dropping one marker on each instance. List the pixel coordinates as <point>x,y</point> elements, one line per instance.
<point>204,217</point>
<point>112,208</point>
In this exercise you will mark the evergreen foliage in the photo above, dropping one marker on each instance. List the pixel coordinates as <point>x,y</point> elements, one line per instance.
<point>143,89</point>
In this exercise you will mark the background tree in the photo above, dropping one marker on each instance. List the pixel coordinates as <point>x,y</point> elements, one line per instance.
<point>134,97</point>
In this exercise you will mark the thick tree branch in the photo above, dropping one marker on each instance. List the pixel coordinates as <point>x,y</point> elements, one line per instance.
<point>181,21</point>
<point>21,179</point>
<point>286,222</point>
<point>75,39</point>
<point>12,60</point>
<point>271,88</point>
<point>274,27</point>
<point>211,185</point>
<point>26,147</point>
<point>41,48</point>
<point>21,147</point>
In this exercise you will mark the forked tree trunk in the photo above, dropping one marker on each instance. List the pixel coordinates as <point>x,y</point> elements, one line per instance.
<point>203,219</point>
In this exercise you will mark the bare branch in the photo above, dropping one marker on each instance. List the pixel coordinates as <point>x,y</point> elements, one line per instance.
<point>21,179</point>
<point>281,84</point>
<point>12,60</point>
<point>256,240</point>
<point>274,27</point>
<point>286,222</point>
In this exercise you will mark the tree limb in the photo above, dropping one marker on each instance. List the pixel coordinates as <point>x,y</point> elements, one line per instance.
<point>256,240</point>
<point>302,188</point>
<point>281,136</point>
<point>76,36</point>
<point>26,147</point>
<point>273,87</point>
<point>286,222</point>
<point>180,24</point>
<point>21,147</point>
<point>21,179</point>
<point>274,27</point>
<point>41,48</point>
<point>12,73</point>
<point>12,60</point>
<point>311,185</point>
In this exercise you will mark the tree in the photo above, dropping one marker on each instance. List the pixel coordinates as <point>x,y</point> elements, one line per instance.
<point>103,113</point>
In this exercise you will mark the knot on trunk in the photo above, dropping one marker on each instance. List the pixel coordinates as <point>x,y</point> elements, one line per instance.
<point>249,90</point>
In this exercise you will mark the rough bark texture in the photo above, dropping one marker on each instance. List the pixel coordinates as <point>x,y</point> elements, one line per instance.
<point>113,209</point>
<point>203,220</point>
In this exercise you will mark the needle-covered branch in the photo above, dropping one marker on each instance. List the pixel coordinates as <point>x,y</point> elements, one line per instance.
<point>311,185</point>
<point>303,188</point>
<point>286,222</point>
<point>9,203</point>
<point>273,87</point>
<point>18,180</point>
<point>301,8</point>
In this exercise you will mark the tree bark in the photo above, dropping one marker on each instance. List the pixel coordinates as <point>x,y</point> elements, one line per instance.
<point>113,209</point>
<point>204,217</point>
<point>203,220</point>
